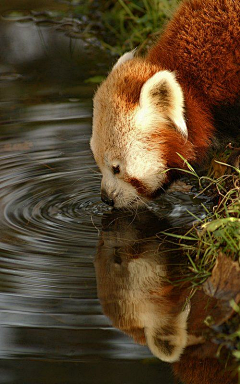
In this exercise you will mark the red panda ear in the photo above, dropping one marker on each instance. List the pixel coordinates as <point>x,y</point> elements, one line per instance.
<point>125,57</point>
<point>163,97</point>
<point>167,342</point>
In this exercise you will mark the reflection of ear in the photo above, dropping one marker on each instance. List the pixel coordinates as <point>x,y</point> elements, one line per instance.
<point>167,342</point>
<point>127,56</point>
<point>163,96</point>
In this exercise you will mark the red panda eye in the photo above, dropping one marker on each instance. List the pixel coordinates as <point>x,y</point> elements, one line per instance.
<point>116,169</point>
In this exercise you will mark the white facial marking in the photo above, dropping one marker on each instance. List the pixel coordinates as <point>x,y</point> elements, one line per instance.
<point>117,189</point>
<point>144,164</point>
<point>137,162</point>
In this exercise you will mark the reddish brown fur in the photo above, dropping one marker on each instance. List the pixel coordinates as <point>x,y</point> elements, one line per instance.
<point>140,187</point>
<point>203,47</point>
<point>131,83</point>
<point>171,144</point>
<point>204,52</point>
<point>198,364</point>
<point>193,370</point>
<point>200,129</point>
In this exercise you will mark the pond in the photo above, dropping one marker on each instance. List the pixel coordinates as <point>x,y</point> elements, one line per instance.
<point>56,234</point>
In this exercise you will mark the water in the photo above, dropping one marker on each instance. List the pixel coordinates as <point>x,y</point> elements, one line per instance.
<point>52,327</point>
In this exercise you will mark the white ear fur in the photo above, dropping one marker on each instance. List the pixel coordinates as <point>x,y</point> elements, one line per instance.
<point>163,94</point>
<point>168,344</point>
<point>125,57</point>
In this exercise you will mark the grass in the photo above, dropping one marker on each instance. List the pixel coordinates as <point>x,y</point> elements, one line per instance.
<point>133,22</point>
<point>123,25</point>
<point>219,232</point>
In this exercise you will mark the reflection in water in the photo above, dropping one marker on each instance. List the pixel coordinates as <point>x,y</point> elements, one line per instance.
<point>135,272</point>
<point>132,274</point>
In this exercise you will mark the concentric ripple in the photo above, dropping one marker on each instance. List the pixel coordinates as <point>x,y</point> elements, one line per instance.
<point>50,206</point>
<point>51,194</point>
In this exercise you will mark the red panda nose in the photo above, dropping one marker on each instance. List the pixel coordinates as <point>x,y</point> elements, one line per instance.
<point>106,199</point>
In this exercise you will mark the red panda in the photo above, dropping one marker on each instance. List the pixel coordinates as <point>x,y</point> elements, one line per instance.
<point>171,102</point>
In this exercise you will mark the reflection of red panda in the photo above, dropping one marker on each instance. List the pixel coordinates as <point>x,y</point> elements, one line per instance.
<point>150,109</point>
<point>133,282</point>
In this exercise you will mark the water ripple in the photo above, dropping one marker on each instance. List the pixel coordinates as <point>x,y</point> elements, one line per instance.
<point>50,212</point>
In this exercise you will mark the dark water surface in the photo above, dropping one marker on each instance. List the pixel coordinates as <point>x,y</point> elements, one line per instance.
<point>52,329</point>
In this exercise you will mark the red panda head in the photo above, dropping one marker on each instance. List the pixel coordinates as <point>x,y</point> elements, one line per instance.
<point>138,129</point>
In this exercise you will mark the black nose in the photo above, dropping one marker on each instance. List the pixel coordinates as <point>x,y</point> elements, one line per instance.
<point>106,199</point>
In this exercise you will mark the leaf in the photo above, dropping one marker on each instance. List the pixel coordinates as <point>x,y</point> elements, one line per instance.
<point>235,307</point>
<point>182,237</point>
<point>188,164</point>
<point>224,281</point>
<point>215,224</point>
<point>236,354</point>
<point>218,168</point>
